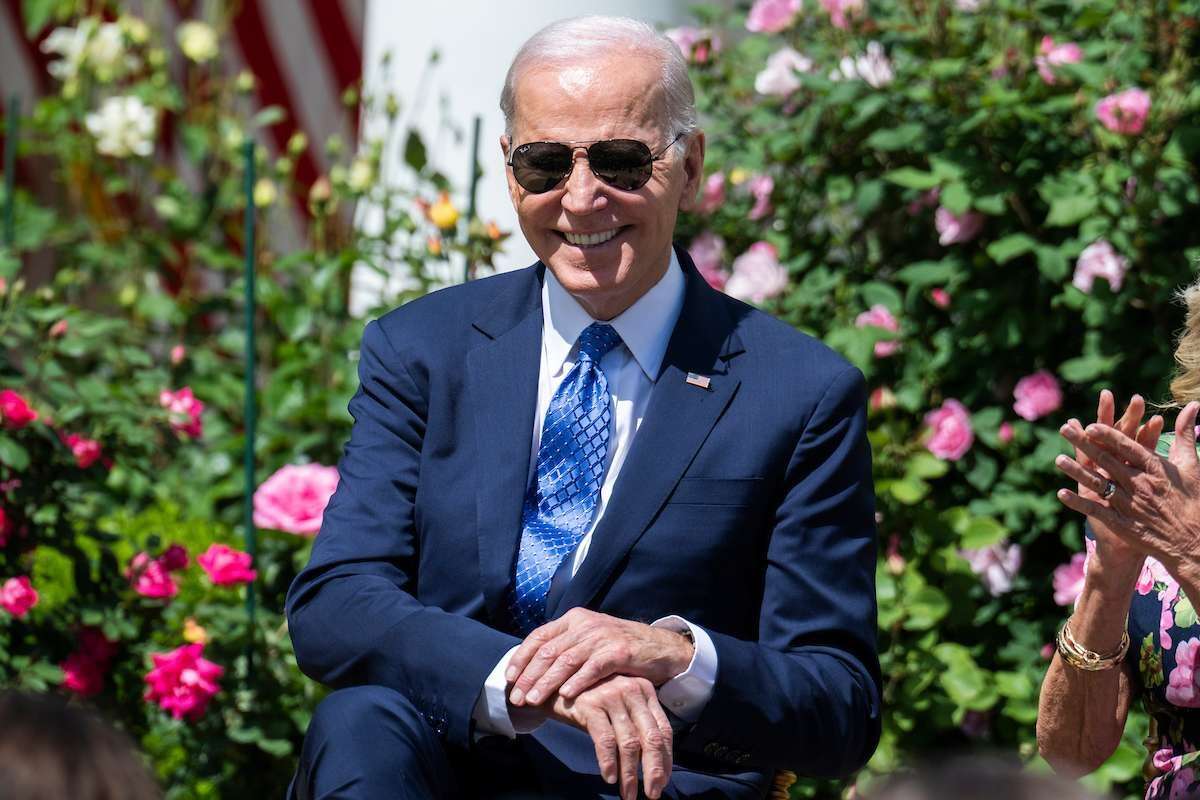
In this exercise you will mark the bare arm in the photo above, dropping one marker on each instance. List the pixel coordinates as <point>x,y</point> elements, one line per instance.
<point>1081,715</point>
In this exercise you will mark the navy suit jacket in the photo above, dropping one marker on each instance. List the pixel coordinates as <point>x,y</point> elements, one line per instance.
<point>746,508</point>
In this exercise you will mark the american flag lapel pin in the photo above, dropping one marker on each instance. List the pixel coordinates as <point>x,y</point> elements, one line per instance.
<point>698,380</point>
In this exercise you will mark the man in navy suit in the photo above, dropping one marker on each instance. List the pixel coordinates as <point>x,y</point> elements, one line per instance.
<point>595,518</point>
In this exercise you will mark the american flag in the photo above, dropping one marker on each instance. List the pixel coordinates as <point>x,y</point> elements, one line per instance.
<point>304,54</point>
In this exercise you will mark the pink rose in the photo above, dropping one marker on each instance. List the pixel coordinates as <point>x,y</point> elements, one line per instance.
<point>17,596</point>
<point>1181,685</point>
<point>760,188</point>
<point>927,199</point>
<point>1099,260</point>
<point>779,76</point>
<point>1124,112</point>
<point>6,527</point>
<point>1055,55</point>
<point>14,410</point>
<point>225,565</point>
<point>881,399</point>
<point>59,329</point>
<point>178,353</point>
<point>174,558</point>
<point>840,11</point>
<point>757,274</point>
<point>1068,580</point>
<point>713,194</point>
<point>1005,432</point>
<point>86,451</point>
<point>696,44</point>
<point>879,317</point>
<point>1047,651</point>
<point>1037,395</point>
<point>294,498</point>
<point>940,297</point>
<point>150,578</point>
<point>956,228</point>
<point>84,669</point>
<point>182,681</point>
<point>708,253</point>
<point>184,411</point>
<point>950,435</point>
<point>996,565</point>
<point>772,16</point>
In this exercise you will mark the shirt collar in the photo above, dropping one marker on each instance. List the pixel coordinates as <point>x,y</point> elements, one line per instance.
<point>645,327</point>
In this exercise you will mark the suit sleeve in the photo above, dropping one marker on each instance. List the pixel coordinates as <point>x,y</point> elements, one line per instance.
<point>351,612</point>
<point>806,695</point>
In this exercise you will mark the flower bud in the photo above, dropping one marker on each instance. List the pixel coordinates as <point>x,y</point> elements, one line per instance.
<point>297,143</point>
<point>264,192</point>
<point>443,214</point>
<point>245,82</point>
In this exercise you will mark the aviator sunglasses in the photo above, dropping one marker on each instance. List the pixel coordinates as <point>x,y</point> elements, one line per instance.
<point>625,164</point>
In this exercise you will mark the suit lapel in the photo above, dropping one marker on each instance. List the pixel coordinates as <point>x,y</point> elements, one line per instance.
<point>679,417</point>
<point>502,385</point>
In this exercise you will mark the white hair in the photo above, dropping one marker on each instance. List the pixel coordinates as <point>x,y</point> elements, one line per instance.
<point>569,41</point>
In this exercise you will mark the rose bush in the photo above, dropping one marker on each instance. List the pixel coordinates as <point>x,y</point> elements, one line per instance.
<point>987,206</point>
<point>124,573</point>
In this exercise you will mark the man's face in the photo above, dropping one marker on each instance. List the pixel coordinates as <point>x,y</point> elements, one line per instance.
<point>614,98</point>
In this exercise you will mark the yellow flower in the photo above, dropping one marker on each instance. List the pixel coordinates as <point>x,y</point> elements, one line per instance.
<point>443,213</point>
<point>137,30</point>
<point>198,41</point>
<point>361,175</point>
<point>738,175</point>
<point>264,192</point>
<point>193,632</point>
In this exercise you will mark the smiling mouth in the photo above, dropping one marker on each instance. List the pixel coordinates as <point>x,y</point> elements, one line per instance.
<point>597,239</point>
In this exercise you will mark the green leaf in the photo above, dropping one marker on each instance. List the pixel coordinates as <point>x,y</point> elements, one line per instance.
<point>912,178</point>
<point>980,531</point>
<point>878,293</point>
<point>956,198</point>
<point>1069,210</point>
<point>928,273</point>
<point>1004,250</point>
<point>268,116</point>
<point>925,608</point>
<point>414,151</point>
<point>924,464</point>
<point>13,454</point>
<point>1052,263</point>
<point>899,138</point>
<point>909,490</point>
<point>1087,368</point>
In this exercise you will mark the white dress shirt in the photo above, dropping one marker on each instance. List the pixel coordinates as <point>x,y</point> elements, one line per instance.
<point>631,368</point>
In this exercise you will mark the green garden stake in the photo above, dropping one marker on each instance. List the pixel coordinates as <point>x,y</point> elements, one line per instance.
<point>10,167</point>
<point>469,271</point>
<point>248,499</point>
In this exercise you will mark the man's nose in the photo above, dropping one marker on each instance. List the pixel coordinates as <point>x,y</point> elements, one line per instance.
<point>584,193</point>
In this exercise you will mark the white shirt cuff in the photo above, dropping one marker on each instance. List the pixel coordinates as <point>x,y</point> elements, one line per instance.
<point>688,693</point>
<point>491,709</point>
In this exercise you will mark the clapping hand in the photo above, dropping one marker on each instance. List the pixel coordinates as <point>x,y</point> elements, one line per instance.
<point>1149,502</point>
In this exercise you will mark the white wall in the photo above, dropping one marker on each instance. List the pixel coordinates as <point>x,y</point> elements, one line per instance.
<point>476,40</point>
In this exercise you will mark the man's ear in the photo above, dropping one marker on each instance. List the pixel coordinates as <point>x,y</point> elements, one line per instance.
<point>693,172</point>
<point>514,188</point>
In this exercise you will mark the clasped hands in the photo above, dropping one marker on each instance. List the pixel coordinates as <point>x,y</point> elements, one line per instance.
<point>1153,507</point>
<point>599,673</point>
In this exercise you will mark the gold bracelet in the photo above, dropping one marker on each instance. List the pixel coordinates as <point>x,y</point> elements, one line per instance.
<point>1080,657</point>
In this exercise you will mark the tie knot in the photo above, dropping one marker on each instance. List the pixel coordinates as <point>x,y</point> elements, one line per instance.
<point>596,340</point>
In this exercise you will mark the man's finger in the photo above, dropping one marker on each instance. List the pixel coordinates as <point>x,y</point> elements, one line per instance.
<point>604,739</point>
<point>1183,449</point>
<point>629,748</point>
<point>1081,475</point>
<point>593,671</point>
<point>1128,424</point>
<point>655,747</point>
<point>533,642</point>
<point>545,657</point>
<point>566,666</point>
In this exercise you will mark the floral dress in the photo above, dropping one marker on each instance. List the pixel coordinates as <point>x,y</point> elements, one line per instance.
<point>1164,636</point>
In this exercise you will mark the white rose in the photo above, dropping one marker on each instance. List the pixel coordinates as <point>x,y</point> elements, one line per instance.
<point>197,40</point>
<point>123,126</point>
<point>361,175</point>
<point>874,67</point>
<point>106,50</point>
<point>779,77</point>
<point>69,45</point>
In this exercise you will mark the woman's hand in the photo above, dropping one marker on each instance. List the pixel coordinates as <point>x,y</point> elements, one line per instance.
<point>1111,548</point>
<point>1155,505</point>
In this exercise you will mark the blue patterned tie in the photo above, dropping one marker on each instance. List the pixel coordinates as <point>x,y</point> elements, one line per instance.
<point>562,500</point>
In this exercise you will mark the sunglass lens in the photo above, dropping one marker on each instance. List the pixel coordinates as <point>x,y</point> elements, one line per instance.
<point>624,163</point>
<point>539,166</point>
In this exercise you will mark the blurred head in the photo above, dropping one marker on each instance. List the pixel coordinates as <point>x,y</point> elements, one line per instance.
<point>1186,385</point>
<point>599,78</point>
<point>52,751</point>
<point>977,778</point>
